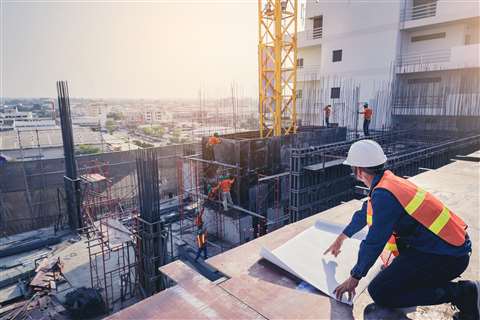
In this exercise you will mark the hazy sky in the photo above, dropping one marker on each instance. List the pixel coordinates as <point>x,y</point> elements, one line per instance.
<point>129,49</point>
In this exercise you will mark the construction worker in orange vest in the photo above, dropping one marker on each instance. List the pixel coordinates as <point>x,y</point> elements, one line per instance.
<point>225,185</point>
<point>328,111</point>
<point>212,141</point>
<point>367,118</point>
<point>429,241</point>
<point>201,241</point>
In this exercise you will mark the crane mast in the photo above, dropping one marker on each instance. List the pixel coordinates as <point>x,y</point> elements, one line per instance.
<point>277,67</point>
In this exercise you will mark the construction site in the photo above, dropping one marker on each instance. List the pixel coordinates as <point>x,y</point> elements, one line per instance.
<point>115,234</point>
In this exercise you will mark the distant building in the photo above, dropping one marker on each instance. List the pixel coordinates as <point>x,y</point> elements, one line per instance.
<point>13,113</point>
<point>355,48</point>
<point>152,115</point>
<point>134,117</point>
<point>89,121</point>
<point>44,143</point>
<point>35,123</point>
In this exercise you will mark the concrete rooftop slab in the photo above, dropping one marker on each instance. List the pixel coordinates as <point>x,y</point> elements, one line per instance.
<point>261,289</point>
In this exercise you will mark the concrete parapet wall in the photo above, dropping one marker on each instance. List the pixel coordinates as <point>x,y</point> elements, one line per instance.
<point>28,189</point>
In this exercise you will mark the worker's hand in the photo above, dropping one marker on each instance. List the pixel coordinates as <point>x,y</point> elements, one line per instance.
<point>347,287</point>
<point>336,245</point>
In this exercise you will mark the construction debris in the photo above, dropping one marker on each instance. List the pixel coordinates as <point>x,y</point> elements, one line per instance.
<point>85,303</point>
<point>48,272</point>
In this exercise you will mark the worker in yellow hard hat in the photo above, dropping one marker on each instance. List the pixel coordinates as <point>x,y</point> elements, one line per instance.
<point>428,240</point>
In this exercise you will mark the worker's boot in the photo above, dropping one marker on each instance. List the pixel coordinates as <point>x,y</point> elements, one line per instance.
<point>468,300</point>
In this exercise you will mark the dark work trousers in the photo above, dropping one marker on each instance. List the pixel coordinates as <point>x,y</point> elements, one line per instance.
<point>418,279</point>
<point>366,124</point>
<point>327,121</point>
<point>210,154</point>
<point>199,252</point>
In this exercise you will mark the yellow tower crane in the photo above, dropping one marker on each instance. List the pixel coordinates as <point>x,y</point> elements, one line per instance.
<point>277,66</point>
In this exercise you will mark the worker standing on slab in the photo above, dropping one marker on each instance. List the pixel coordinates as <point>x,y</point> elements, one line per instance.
<point>328,111</point>
<point>367,118</point>
<point>213,141</point>
<point>201,241</point>
<point>429,241</point>
<point>225,185</point>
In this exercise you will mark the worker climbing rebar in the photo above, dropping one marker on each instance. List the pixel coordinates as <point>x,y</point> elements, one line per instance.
<point>225,185</point>
<point>367,118</point>
<point>201,241</point>
<point>429,241</point>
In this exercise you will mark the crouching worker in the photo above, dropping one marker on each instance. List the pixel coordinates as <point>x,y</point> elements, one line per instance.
<point>429,240</point>
<point>201,241</point>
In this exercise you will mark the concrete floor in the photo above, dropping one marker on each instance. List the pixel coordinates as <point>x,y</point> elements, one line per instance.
<point>254,288</point>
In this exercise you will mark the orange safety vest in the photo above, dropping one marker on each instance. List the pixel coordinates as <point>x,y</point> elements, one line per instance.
<point>213,140</point>
<point>226,184</point>
<point>423,207</point>
<point>368,113</point>
<point>202,239</point>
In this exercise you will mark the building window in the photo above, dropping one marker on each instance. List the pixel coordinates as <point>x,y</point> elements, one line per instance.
<point>431,36</point>
<point>423,9</point>
<point>335,93</point>
<point>317,30</point>
<point>299,93</point>
<point>300,63</point>
<point>337,55</point>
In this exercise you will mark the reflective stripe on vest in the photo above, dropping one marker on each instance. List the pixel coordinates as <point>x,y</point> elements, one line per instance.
<point>201,240</point>
<point>391,243</point>
<point>425,208</point>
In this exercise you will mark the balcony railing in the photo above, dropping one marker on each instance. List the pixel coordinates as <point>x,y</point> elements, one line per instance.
<point>308,73</point>
<point>420,11</point>
<point>311,34</point>
<point>435,56</point>
<point>317,33</point>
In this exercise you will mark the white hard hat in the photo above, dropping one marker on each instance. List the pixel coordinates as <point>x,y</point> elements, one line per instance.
<point>365,154</point>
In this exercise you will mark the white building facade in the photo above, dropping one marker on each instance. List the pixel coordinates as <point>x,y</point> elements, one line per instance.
<point>353,51</point>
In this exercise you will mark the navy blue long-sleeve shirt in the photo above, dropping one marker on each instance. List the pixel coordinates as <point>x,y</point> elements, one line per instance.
<point>390,216</point>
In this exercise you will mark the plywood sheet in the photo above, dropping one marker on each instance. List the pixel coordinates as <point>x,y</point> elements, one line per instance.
<point>303,257</point>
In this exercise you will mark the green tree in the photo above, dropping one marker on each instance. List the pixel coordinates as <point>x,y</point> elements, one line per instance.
<point>111,126</point>
<point>115,115</point>
<point>142,144</point>
<point>86,149</point>
<point>147,130</point>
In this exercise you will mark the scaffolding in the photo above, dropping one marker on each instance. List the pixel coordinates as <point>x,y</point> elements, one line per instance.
<point>110,238</point>
<point>319,180</point>
<point>272,192</point>
<point>196,179</point>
